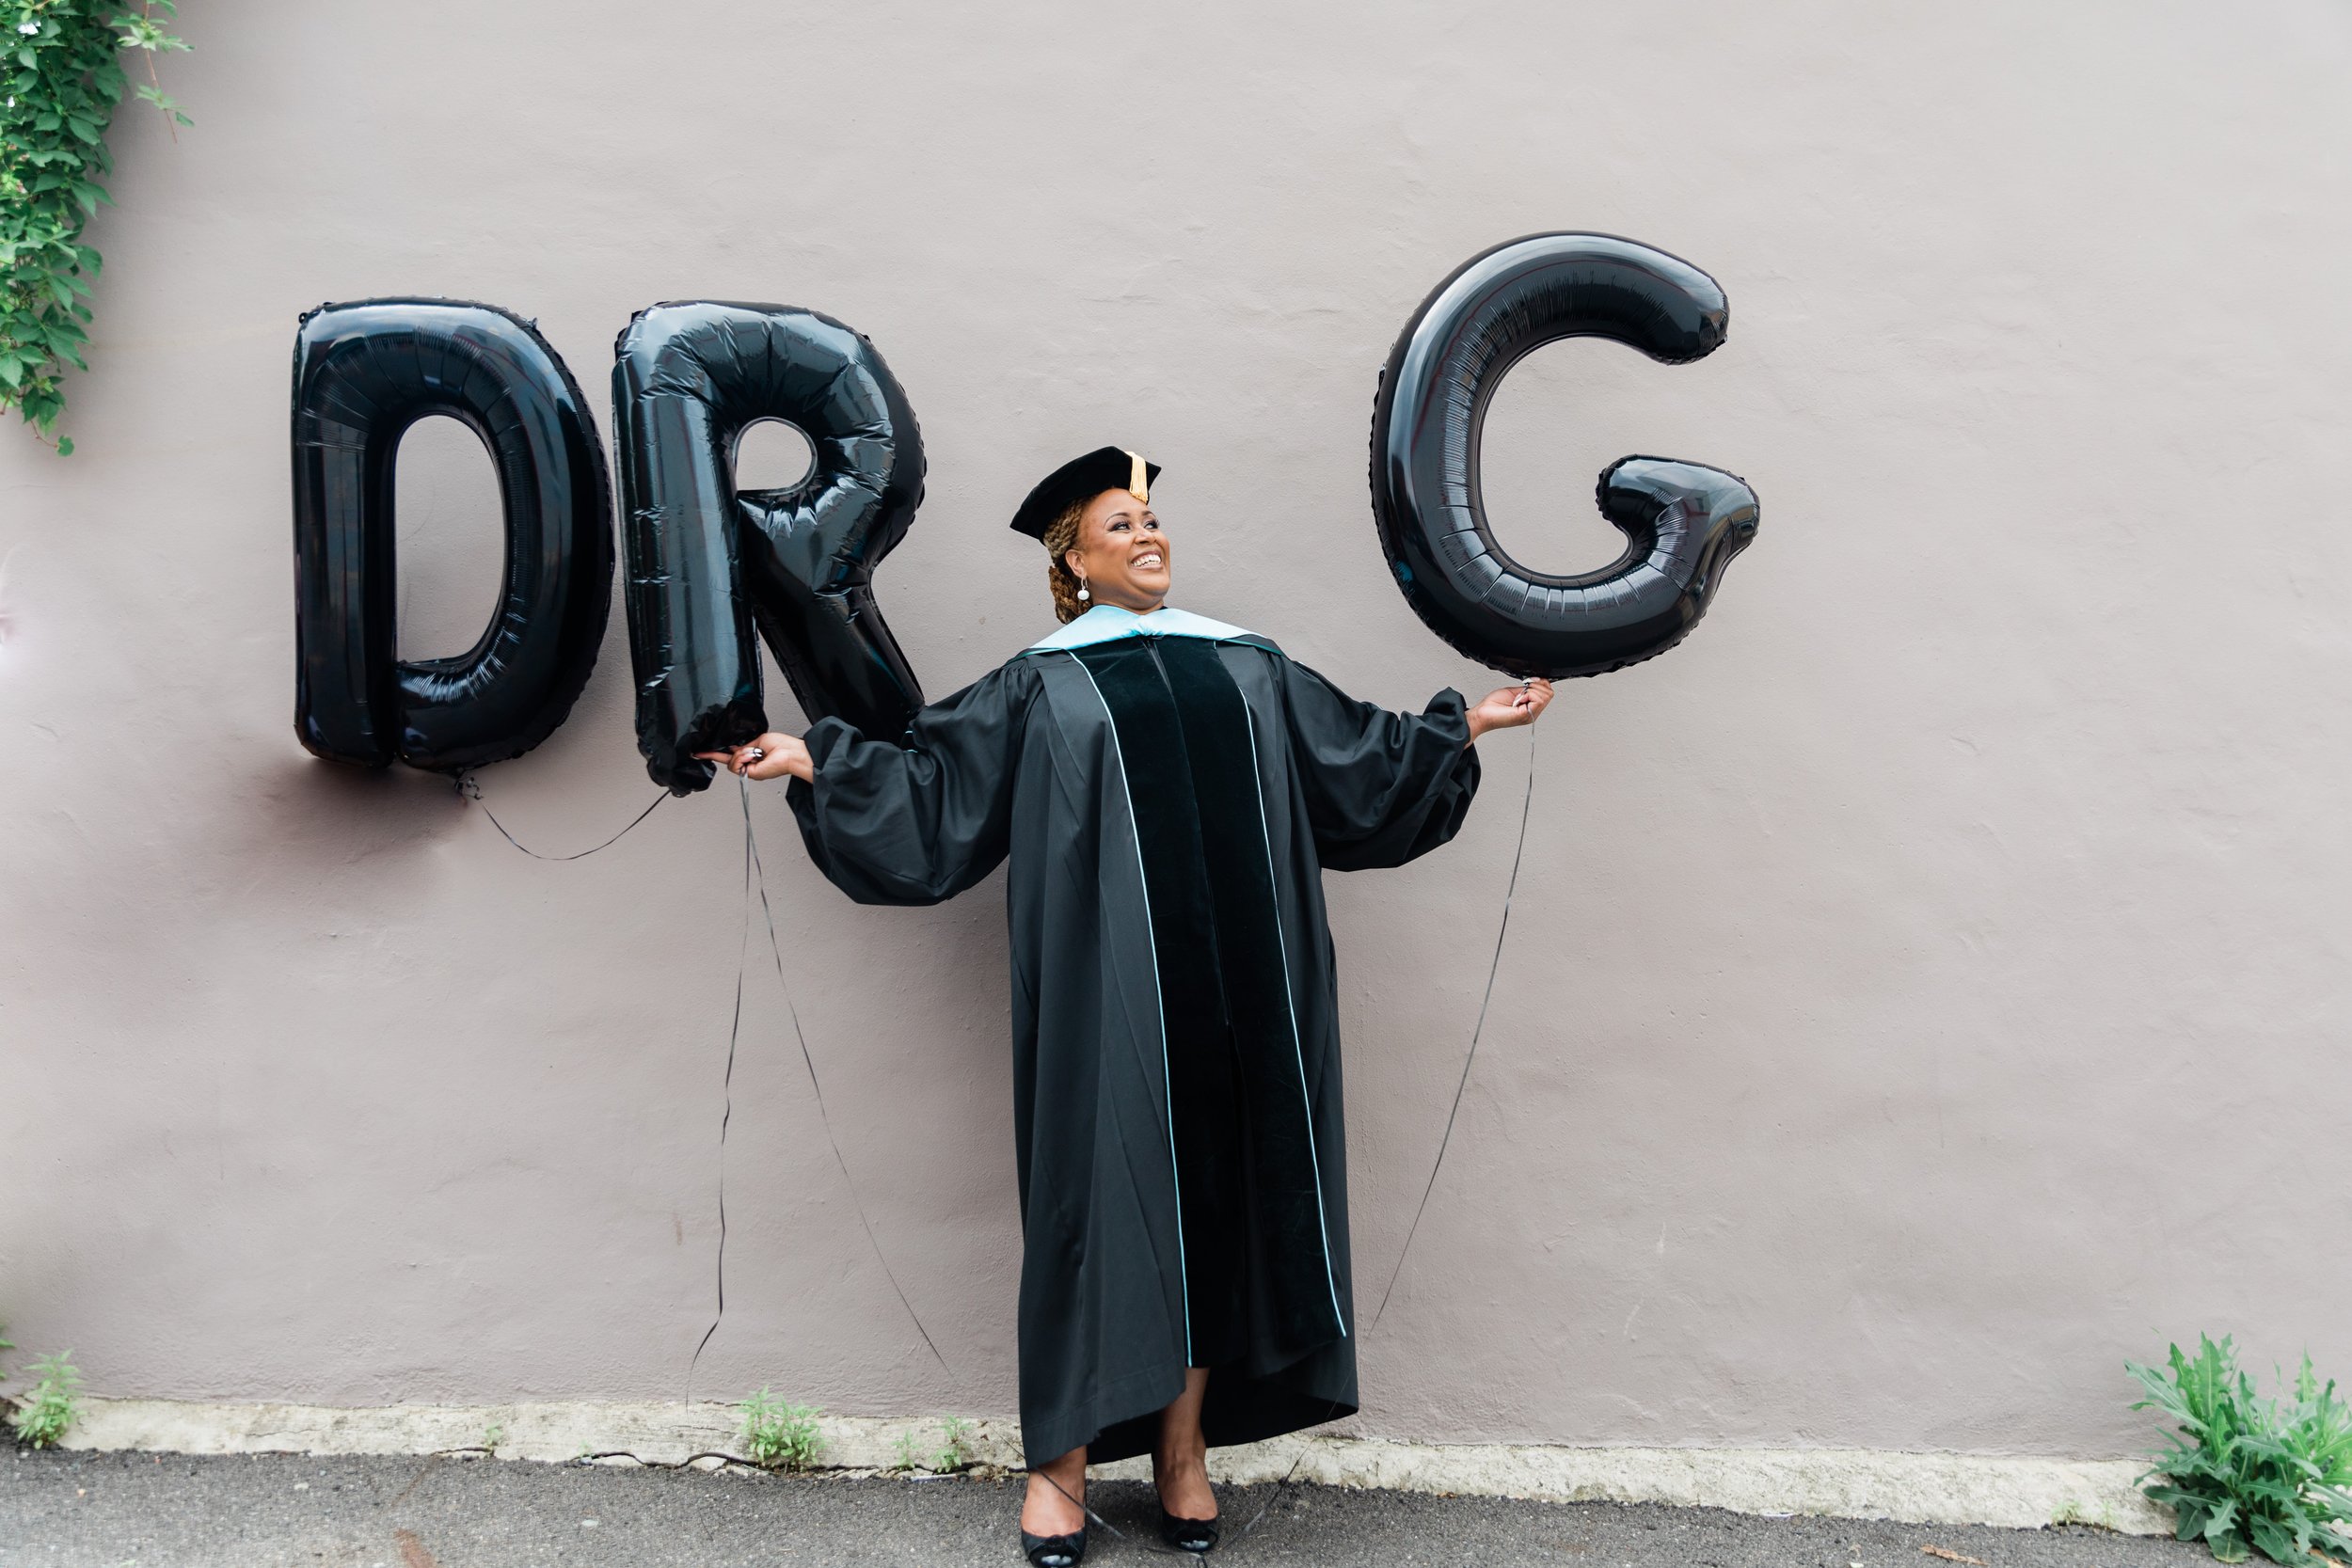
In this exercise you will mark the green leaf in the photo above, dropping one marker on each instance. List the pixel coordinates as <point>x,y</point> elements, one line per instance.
<point>65,446</point>
<point>2190,1512</point>
<point>2276,1543</point>
<point>12,371</point>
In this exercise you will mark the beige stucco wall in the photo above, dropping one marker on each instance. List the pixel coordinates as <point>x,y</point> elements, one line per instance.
<point>1926,986</point>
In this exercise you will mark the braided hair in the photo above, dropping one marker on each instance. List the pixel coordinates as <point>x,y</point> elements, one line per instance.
<point>1061,537</point>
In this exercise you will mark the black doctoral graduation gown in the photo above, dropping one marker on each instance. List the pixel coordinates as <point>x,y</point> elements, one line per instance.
<point>1169,790</point>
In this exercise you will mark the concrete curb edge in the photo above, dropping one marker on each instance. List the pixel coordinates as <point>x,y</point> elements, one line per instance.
<point>1857,1483</point>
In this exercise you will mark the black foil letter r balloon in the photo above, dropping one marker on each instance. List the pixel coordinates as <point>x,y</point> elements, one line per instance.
<point>362,375</point>
<point>707,562</point>
<point>1683,522</point>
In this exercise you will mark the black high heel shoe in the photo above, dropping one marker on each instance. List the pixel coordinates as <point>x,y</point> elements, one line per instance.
<point>1197,1536</point>
<point>1054,1551</point>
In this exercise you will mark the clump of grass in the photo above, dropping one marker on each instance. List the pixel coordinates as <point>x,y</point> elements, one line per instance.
<point>45,1411</point>
<point>780,1436</point>
<point>2243,1472</point>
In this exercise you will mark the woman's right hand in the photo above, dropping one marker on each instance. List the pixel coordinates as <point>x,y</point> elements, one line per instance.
<point>767,756</point>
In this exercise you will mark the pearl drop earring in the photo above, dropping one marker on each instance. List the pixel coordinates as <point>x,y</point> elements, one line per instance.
<point>1082,590</point>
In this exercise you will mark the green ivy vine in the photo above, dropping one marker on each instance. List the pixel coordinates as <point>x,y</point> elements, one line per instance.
<point>60,78</point>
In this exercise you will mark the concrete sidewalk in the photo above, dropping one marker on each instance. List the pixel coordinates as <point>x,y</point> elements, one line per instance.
<point>85,1510</point>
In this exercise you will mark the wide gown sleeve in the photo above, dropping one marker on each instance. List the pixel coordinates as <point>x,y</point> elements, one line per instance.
<point>919,821</point>
<point>1381,788</point>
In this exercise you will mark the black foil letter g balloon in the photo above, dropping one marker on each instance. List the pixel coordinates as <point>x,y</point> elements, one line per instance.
<point>1683,522</point>
<point>362,375</point>
<point>707,562</point>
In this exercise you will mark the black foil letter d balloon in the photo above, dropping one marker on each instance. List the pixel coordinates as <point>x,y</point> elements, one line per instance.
<point>1683,522</point>
<point>362,375</point>
<point>707,562</point>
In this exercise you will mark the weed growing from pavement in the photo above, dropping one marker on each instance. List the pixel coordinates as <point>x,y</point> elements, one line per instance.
<point>780,1436</point>
<point>45,1411</point>
<point>2070,1510</point>
<point>956,1450</point>
<point>2245,1472</point>
<point>954,1453</point>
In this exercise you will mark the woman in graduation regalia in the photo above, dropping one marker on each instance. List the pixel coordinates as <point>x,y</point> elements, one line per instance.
<point>1167,790</point>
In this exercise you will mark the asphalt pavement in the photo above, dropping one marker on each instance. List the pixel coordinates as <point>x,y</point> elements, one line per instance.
<point>85,1509</point>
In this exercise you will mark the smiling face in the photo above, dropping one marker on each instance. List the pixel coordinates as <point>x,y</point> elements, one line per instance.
<point>1122,553</point>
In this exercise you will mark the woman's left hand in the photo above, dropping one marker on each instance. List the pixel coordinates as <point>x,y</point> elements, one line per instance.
<point>1511,706</point>
<point>767,756</point>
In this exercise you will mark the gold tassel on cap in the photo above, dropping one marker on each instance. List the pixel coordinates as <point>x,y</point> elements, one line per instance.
<point>1139,483</point>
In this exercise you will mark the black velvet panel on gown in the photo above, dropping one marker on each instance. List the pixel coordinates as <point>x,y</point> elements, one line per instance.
<point>1257,1272</point>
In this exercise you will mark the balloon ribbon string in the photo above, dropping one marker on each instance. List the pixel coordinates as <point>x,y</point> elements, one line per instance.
<point>1481,1028</point>
<point>1281,1486</point>
<point>471,789</point>
<point>726,1112</point>
<point>750,844</point>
